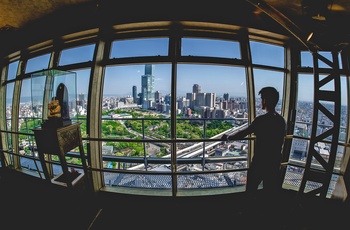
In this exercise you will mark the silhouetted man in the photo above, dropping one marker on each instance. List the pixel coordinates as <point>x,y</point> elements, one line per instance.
<point>269,130</point>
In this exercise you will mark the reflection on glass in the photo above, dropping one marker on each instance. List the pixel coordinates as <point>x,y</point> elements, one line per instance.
<point>37,94</point>
<point>83,79</point>
<point>25,122</point>
<point>25,125</point>
<point>62,87</point>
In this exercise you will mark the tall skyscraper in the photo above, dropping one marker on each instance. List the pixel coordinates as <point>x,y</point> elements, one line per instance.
<point>147,86</point>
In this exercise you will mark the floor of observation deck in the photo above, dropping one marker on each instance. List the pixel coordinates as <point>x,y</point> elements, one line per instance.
<point>28,202</point>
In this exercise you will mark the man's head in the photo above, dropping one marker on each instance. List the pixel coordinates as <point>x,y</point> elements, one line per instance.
<point>269,97</point>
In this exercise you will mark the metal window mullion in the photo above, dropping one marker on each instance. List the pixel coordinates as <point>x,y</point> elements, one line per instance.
<point>247,59</point>
<point>174,54</point>
<point>289,103</point>
<point>345,166</point>
<point>15,110</point>
<point>5,158</point>
<point>94,114</point>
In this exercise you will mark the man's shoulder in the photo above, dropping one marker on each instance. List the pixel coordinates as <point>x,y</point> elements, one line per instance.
<point>271,116</point>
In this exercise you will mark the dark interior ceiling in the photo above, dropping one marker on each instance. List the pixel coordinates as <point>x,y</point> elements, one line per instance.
<point>328,20</point>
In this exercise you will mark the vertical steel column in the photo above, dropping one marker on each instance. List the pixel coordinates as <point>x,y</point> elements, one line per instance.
<point>322,175</point>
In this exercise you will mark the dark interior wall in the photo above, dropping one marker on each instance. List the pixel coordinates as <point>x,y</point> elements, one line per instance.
<point>92,15</point>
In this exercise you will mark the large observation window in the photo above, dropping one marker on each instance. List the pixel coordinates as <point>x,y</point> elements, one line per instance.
<point>161,114</point>
<point>214,101</point>
<point>136,105</point>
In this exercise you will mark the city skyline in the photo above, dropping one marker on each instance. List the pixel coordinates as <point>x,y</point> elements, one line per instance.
<point>83,76</point>
<point>213,78</point>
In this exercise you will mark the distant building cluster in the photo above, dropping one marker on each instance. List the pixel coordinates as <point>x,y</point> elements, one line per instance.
<point>196,104</point>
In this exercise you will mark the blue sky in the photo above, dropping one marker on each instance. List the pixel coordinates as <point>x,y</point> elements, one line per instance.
<point>212,79</point>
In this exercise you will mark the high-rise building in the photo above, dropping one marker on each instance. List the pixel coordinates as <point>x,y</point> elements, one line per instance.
<point>167,99</point>
<point>210,99</point>
<point>147,85</point>
<point>192,99</point>
<point>134,93</point>
<point>196,88</point>
<point>226,96</point>
<point>81,99</point>
<point>200,100</point>
<point>157,96</point>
